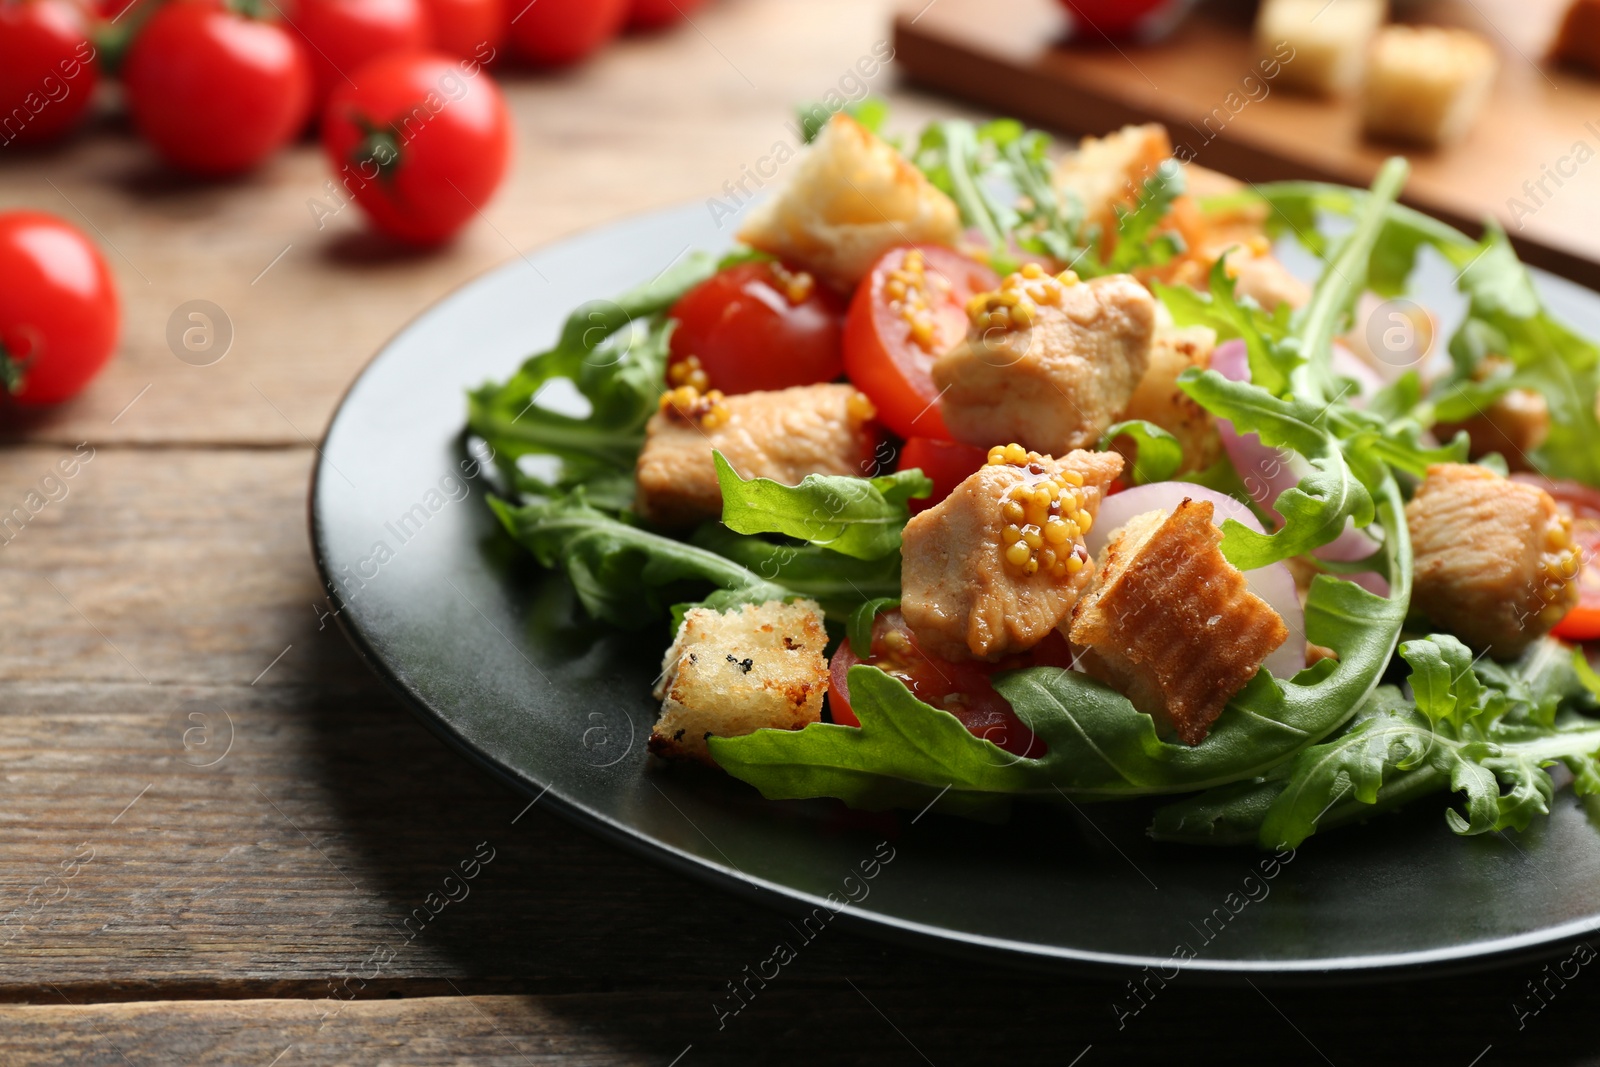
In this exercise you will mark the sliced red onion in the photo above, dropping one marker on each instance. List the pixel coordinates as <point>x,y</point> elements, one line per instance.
<point>1231,359</point>
<point>1273,583</point>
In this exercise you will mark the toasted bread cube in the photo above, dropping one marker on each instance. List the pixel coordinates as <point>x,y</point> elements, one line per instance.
<point>961,594</point>
<point>783,435</point>
<point>1159,400</point>
<point>1495,561</point>
<point>852,199</point>
<point>1327,40</point>
<point>1426,84</point>
<point>754,667</point>
<point>1109,172</point>
<point>1172,624</point>
<point>1057,381</point>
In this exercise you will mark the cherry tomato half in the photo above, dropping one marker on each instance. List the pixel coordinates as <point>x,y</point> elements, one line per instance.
<point>1582,503</point>
<point>906,313</point>
<point>421,144</point>
<point>558,32</point>
<point>948,463</point>
<point>760,326</point>
<point>962,689</point>
<point>213,91</point>
<point>58,308</point>
<point>468,29</point>
<point>47,69</point>
<point>342,36</point>
<point>655,14</point>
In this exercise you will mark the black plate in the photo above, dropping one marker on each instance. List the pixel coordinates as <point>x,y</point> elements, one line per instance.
<point>490,652</point>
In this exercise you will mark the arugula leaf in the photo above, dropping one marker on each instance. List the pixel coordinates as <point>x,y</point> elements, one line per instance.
<point>856,517</point>
<point>838,583</point>
<point>862,619</point>
<point>1157,456</point>
<point>1265,336</point>
<point>1139,243</point>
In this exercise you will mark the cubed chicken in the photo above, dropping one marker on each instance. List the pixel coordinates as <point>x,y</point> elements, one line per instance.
<point>998,564</point>
<point>852,198</point>
<point>1495,560</point>
<point>1159,400</point>
<point>783,435</point>
<point>1513,425</point>
<point>754,667</point>
<point>1171,624</point>
<point>1050,362</point>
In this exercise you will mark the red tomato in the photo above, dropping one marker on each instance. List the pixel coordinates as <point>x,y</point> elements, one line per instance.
<point>342,36</point>
<point>213,91</point>
<point>47,69</point>
<point>948,463</point>
<point>760,326</point>
<point>468,29</point>
<point>1112,17</point>
<point>1582,623</point>
<point>654,14</point>
<point>421,144</point>
<point>58,308</point>
<point>881,355</point>
<point>557,32</point>
<point>962,689</point>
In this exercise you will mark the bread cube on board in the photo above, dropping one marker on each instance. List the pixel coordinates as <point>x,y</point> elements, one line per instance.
<point>783,435</point>
<point>751,668</point>
<point>1049,362</point>
<point>852,198</point>
<point>1328,38</point>
<point>1495,560</point>
<point>1426,84</point>
<point>1171,624</point>
<point>998,564</point>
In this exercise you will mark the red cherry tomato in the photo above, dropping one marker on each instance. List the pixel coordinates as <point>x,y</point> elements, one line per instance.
<point>468,29</point>
<point>215,92</point>
<point>654,14</point>
<point>962,689</point>
<point>342,36</point>
<point>883,357</point>
<point>948,463</point>
<point>421,143</point>
<point>58,308</point>
<point>1113,18</point>
<point>1582,623</point>
<point>47,69</point>
<point>760,326</point>
<point>557,32</point>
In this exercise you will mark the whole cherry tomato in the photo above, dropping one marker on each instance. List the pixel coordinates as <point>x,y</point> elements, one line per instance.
<point>47,69</point>
<point>421,142</point>
<point>468,29</point>
<point>1116,18</point>
<point>342,36</point>
<point>654,14</point>
<point>759,326</point>
<point>214,91</point>
<point>58,308</point>
<point>906,313</point>
<point>557,32</point>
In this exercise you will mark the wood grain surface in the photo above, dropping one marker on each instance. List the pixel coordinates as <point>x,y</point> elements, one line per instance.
<point>215,825</point>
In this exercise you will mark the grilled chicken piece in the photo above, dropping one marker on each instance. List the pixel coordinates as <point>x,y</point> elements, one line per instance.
<point>852,199</point>
<point>1495,561</point>
<point>1159,400</point>
<point>967,589</point>
<point>1050,362</point>
<point>783,435</point>
<point>1171,623</point>
<point>755,667</point>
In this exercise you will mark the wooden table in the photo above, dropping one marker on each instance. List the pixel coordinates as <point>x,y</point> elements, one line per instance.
<point>167,907</point>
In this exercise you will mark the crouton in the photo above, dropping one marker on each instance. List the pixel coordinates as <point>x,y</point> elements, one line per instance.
<point>1577,42</point>
<point>1172,624</point>
<point>752,668</point>
<point>998,564</point>
<point>852,199</point>
<point>1426,84</point>
<point>1327,39</point>
<point>1049,362</point>
<point>1495,560</point>
<point>783,435</point>
<point>1513,425</point>
<point>1159,400</point>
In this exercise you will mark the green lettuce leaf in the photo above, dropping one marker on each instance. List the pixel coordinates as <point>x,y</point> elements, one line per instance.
<point>858,517</point>
<point>1158,454</point>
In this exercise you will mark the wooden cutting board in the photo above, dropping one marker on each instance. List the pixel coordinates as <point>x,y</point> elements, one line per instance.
<point>1015,57</point>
